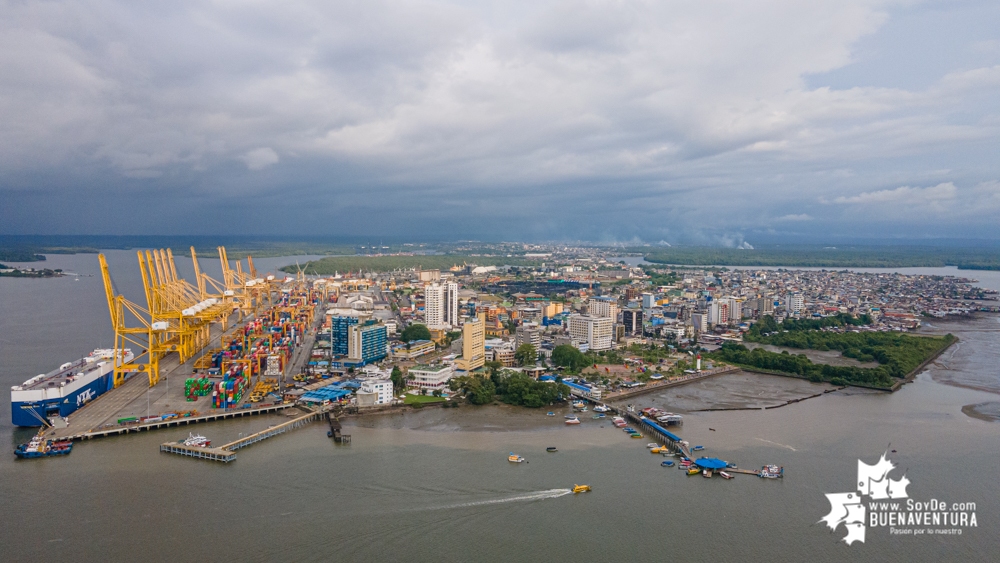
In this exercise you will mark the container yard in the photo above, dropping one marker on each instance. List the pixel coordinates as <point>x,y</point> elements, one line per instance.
<point>207,350</point>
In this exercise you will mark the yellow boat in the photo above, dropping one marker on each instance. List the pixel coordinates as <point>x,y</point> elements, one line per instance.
<point>581,488</point>
<point>659,450</point>
<point>694,471</point>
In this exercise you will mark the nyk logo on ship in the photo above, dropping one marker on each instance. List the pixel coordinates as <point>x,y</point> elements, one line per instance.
<point>84,397</point>
<point>910,518</point>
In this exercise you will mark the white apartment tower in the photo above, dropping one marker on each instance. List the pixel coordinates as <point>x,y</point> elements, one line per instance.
<point>794,303</point>
<point>451,304</point>
<point>434,305</point>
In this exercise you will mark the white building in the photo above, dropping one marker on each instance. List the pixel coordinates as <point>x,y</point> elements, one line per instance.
<point>431,377</point>
<point>379,390</point>
<point>597,332</point>
<point>603,307</point>
<point>451,304</point>
<point>434,305</point>
<point>648,301</point>
<point>794,303</point>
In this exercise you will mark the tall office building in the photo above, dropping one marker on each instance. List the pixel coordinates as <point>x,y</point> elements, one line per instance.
<point>632,319</point>
<point>597,332</point>
<point>366,342</point>
<point>473,345</point>
<point>434,305</point>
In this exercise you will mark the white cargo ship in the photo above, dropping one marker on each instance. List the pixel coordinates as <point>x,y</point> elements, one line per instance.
<point>62,391</point>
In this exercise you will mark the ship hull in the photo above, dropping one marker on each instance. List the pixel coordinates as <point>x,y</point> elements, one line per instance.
<point>59,406</point>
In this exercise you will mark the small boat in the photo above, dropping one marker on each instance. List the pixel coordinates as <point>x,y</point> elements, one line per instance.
<point>637,435</point>
<point>667,463</point>
<point>40,447</point>
<point>197,440</point>
<point>573,420</point>
<point>697,448</point>
<point>725,475</point>
<point>569,416</point>
<point>597,416</point>
<point>652,445</point>
<point>579,405</point>
<point>581,489</point>
<point>893,451</point>
<point>601,408</point>
<point>550,414</point>
<point>731,465</point>
<point>551,449</point>
<point>712,429</point>
<point>707,473</point>
<point>514,458</point>
<point>694,471</point>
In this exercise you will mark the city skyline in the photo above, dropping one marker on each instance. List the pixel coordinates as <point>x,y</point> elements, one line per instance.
<point>699,124</point>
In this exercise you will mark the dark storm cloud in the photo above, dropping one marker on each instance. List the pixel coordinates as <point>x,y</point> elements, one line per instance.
<point>594,120</point>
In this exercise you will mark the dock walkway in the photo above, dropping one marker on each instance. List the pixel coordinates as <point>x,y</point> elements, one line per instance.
<point>226,453</point>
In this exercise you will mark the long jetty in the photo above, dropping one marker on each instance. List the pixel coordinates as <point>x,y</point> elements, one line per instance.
<point>226,453</point>
<point>116,430</point>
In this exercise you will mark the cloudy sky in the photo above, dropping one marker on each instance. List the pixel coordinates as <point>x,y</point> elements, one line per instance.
<point>676,120</point>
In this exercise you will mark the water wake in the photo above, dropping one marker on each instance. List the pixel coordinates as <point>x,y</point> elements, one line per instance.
<point>777,444</point>
<point>537,495</point>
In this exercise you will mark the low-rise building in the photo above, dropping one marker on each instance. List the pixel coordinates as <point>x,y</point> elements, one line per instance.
<point>415,349</point>
<point>375,392</point>
<point>432,378</point>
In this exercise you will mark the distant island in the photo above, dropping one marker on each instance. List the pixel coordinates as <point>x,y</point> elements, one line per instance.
<point>8,272</point>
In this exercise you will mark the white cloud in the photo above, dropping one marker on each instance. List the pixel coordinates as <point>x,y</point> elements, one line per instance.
<point>258,159</point>
<point>905,194</point>
<point>659,110</point>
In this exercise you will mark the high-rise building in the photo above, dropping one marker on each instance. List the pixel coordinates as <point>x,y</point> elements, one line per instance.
<point>648,300</point>
<point>473,345</point>
<point>597,332</point>
<point>603,307</point>
<point>632,319</point>
<point>366,342</point>
<point>451,304</point>
<point>339,336</point>
<point>434,305</point>
<point>528,334</point>
<point>794,303</point>
<point>765,305</point>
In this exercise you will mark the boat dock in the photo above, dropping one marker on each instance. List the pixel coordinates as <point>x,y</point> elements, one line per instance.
<point>226,453</point>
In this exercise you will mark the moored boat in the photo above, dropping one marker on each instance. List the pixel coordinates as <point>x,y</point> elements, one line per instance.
<point>551,449</point>
<point>573,420</point>
<point>197,440</point>
<point>38,446</point>
<point>514,458</point>
<point>667,463</point>
<point>725,475</point>
<point>694,471</point>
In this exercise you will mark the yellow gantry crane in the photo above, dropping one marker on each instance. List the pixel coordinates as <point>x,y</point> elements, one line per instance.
<point>132,326</point>
<point>177,318</point>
